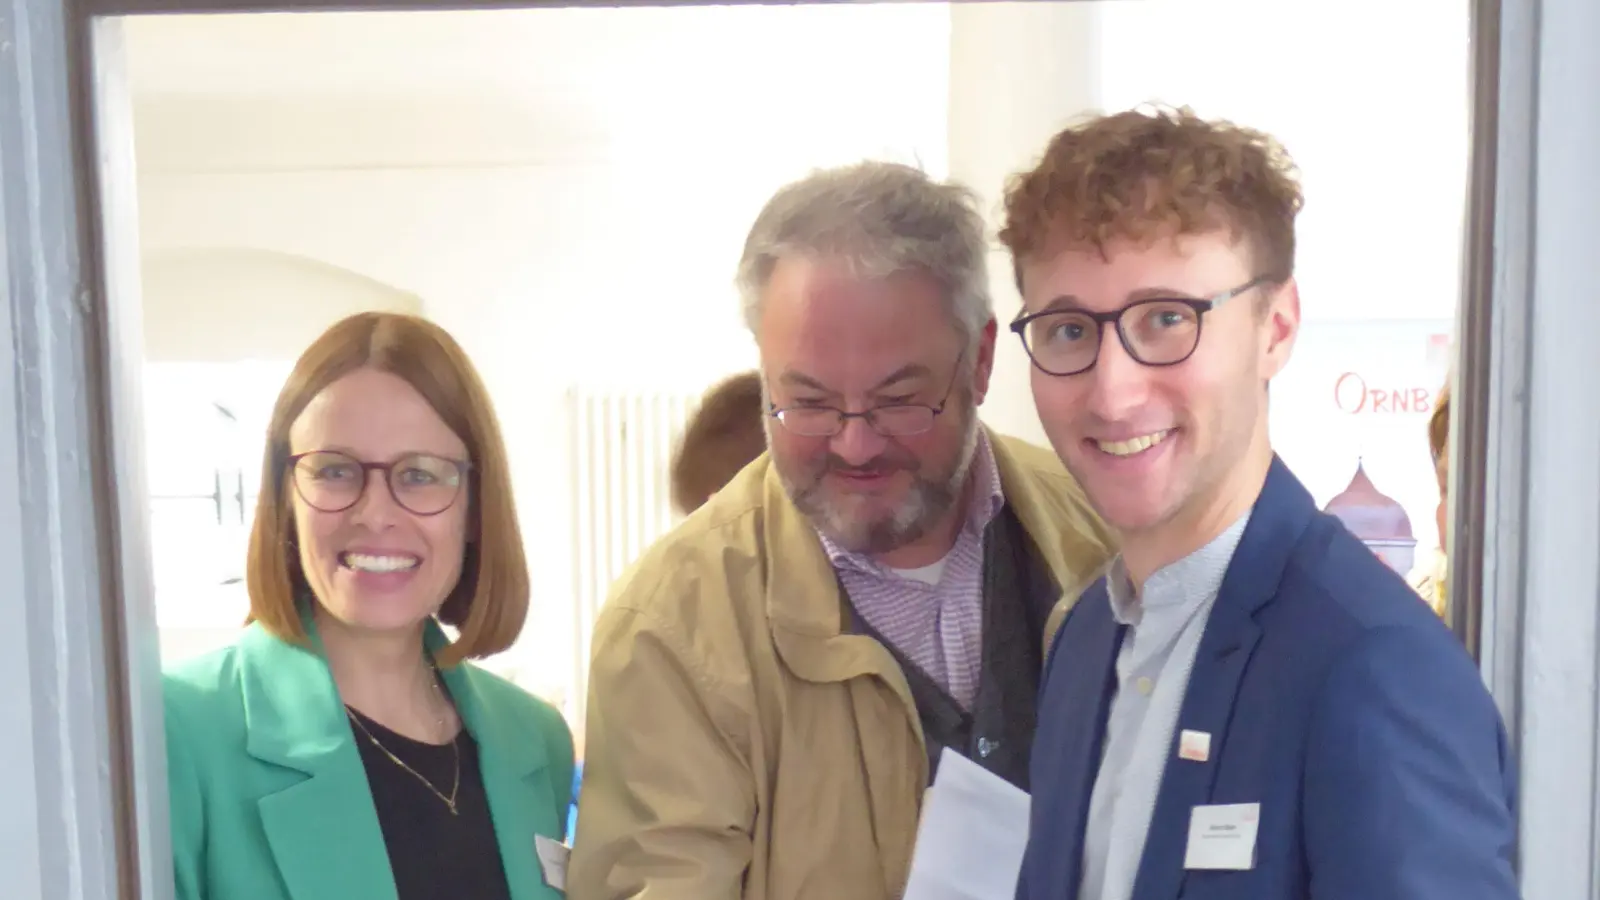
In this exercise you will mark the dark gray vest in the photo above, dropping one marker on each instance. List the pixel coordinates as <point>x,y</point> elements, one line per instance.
<point>1018,594</point>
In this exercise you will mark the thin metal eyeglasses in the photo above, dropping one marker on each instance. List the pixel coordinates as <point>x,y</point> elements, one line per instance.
<point>422,484</point>
<point>889,420</point>
<point>1159,331</point>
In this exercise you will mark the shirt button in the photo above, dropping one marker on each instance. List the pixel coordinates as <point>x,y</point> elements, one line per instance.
<point>1145,685</point>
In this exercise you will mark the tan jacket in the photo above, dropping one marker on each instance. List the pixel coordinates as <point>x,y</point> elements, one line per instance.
<point>738,744</point>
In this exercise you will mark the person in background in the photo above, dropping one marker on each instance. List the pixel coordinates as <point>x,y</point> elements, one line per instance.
<point>1250,704</point>
<point>343,747</point>
<point>1430,576</point>
<point>724,435</point>
<point>772,684</point>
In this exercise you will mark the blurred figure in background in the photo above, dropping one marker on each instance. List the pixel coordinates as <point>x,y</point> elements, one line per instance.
<point>724,435</point>
<point>1429,576</point>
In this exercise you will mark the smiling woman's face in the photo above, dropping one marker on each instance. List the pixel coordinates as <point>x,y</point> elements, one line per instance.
<point>377,566</point>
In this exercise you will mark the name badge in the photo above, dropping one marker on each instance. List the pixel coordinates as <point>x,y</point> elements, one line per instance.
<point>1223,837</point>
<point>1194,745</point>
<point>552,861</point>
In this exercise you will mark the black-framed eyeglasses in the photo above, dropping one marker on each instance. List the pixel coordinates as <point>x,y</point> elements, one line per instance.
<point>889,420</point>
<point>331,481</point>
<point>1155,332</point>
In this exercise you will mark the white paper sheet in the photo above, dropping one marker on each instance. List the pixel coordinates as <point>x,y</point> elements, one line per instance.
<point>973,831</point>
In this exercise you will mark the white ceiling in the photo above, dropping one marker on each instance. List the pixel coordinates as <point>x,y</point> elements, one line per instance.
<point>481,51</point>
<point>277,92</point>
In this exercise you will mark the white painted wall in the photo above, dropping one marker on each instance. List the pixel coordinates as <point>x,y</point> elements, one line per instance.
<point>566,230</point>
<point>1369,96</point>
<point>228,303</point>
<point>1019,71</point>
<point>567,190</point>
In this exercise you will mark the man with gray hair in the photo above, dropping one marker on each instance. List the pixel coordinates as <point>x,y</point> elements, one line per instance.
<point>773,683</point>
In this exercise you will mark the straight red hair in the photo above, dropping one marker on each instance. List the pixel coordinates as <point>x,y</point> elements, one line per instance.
<point>490,603</point>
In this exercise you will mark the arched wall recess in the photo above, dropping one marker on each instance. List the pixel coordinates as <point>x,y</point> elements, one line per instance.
<point>221,304</point>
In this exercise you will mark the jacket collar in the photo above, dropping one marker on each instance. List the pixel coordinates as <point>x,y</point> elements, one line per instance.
<point>1082,702</point>
<point>807,616</point>
<point>323,829</point>
<point>802,590</point>
<point>1282,513</point>
<point>804,607</point>
<point>295,718</point>
<point>293,715</point>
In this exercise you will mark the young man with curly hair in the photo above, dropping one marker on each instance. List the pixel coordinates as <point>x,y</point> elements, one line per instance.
<point>1248,705</point>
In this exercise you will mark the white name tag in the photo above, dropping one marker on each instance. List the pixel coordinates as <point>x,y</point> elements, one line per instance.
<point>552,860</point>
<point>1223,837</point>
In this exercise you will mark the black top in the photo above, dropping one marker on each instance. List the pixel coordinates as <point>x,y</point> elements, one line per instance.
<point>434,855</point>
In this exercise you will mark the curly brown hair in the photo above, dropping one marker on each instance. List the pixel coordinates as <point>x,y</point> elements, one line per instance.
<point>724,435</point>
<point>1155,172</point>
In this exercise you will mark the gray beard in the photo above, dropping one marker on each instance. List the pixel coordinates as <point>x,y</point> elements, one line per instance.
<point>927,502</point>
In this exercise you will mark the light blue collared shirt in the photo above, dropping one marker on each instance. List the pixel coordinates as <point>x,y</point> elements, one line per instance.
<point>1165,622</point>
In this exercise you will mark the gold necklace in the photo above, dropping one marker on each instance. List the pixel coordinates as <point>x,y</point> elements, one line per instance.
<point>455,749</point>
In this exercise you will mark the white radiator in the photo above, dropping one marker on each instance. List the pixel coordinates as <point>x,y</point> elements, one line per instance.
<point>622,442</point>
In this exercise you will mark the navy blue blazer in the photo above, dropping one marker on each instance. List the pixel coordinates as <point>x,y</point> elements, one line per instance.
<point>1335,699</point>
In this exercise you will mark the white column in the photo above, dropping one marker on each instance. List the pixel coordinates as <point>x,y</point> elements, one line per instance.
<point>1018,73</point>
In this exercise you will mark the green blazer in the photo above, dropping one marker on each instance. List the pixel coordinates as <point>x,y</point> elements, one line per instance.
<point>269,797</point>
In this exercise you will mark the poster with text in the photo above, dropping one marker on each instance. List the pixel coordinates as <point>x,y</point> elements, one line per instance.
<point>1359,394</point>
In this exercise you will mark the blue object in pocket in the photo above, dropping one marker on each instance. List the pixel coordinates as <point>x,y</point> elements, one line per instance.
<point>572,804</point>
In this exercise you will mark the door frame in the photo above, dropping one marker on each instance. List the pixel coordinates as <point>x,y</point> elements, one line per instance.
<point>82,666</point>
